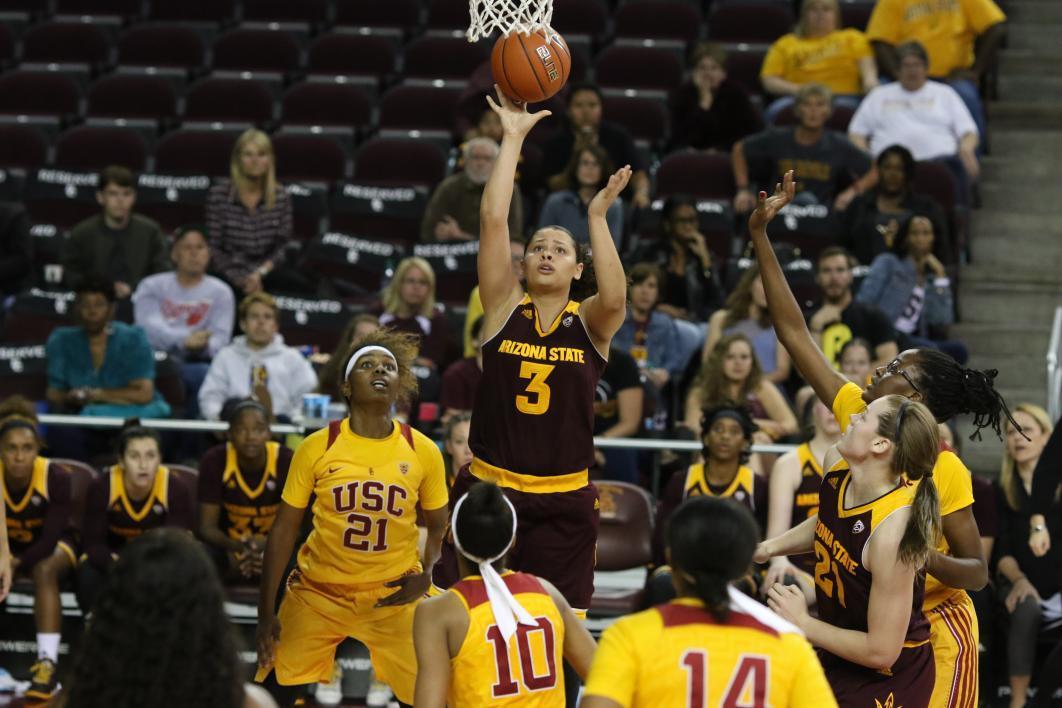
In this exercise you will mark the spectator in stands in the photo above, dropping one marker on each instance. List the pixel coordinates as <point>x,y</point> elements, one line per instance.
<point>746,312</point>
<point>618,411</point>
<point>911,287</point>
<point>38,503</point>
<point>117,244</point>
<point>258,365</point>
<point>926,117</point>
<point>239,489</point>
<point>648,335</point>
<point>819,51</point>
<point>732,373</point>
<point>98,368</point>
<point>961,40</point>
<point>163,611</point>
<point>487,126</point>
<point>872,220</point>
<point>1026,580</point>
<point>840,317</point>
<point>16,249</point>
<point>832,170</point>
<point>185,312</point>
<point>461,379</point>
<point>709,111</point>
<point>409,306</point>
<point>249,221</point>
<point>474,310</point>
<point>691,289</point>
<point>151,497</point>
<point>855,359</point>
<point>586,175</point>
<point>585,125</point>
<point>455,444</point>
<point>328,380</point>
<point>452,213</point>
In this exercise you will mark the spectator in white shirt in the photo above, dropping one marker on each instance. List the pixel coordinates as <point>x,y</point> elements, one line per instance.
<point>185,312</point>
<point>926,117</point>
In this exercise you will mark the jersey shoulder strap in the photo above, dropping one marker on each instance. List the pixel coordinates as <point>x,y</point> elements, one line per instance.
<point>333,432</point>
<point>407,433</point>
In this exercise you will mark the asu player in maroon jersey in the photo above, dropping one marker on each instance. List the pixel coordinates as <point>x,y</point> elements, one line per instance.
<point>543,352</point>
<point>496,638</point>
<point>878,521</point>
<point>37,507</point>
<point>359,572</point>
<point>947,389</point>
<point>128,499</point>
<point>712,645</point>
<point>794,494</point>
<point>239,489</point>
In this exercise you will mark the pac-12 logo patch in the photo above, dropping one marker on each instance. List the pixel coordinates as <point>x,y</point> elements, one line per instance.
<point>567,321</point>
<point>858,526</point>
<point>403,467</point>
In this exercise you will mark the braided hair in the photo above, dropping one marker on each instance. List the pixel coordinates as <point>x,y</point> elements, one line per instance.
<point>950,390</point>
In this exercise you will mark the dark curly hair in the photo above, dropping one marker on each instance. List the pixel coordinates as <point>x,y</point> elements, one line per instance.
<point>159,635</point>
<point>403,345</point>
<point>744,419</point>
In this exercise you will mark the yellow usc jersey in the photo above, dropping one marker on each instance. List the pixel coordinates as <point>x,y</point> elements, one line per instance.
<point>527,670</point>
<point>678,654</point>
<point>364,515</point>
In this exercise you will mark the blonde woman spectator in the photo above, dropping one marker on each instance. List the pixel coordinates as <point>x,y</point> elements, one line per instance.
<point>249,221</point>
<point>746,312</point>
<point>1027,581</point>
<point>732,373</point>
<point>819,51</point>
<point>408,305</point>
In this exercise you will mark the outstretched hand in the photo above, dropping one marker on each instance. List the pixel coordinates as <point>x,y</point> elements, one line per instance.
<point>768,207</point>
<point>515,119</point>
<point>616,183</point>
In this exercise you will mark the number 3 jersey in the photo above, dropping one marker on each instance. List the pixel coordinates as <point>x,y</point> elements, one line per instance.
<point>366,492</point>
<point>528,670</point>
<point>534,411</point>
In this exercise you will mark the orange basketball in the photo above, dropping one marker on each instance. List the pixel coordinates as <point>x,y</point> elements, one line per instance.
<point>529,69</point>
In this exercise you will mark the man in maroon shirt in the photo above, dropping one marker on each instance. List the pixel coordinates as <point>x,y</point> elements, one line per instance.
<point>461,379</point>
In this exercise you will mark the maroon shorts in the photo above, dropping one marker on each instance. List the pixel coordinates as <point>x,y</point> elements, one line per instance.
<point>556,539</point>
<point>909,683</point>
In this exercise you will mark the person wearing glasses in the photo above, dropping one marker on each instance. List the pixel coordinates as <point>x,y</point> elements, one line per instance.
<point>947,389</point>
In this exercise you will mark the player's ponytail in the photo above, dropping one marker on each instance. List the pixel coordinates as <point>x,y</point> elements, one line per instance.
<point>916,445</point>
<point>721,524</point>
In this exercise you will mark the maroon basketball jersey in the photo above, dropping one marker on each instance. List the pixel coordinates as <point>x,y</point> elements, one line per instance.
<point>806,500</point>
<point>842,584</point>
<point>26,512</point>
<point>127,519</point>
<point>534,412</point>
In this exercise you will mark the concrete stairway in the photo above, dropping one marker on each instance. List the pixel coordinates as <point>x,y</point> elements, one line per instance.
<point>1013,283</point>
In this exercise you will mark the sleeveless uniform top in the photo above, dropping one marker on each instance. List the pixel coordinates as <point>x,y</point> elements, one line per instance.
<point>26,515</point>
<point>127,519</point>
<point>248,510</point>
<point>806,499</point>
<point>533,428</point>
<point>743,488</point>
<point>527,670</point>
<point>842,583</point>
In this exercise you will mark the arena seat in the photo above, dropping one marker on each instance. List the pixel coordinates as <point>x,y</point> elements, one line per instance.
<point>696,173</point>
<point>201,11</point>
<point>856,14</point>
<point>643,113</point>
<point>172,200</point>
<point>351,54</point>
<point>190,477</point>
<point>404,107</point>
<point>195,152</point>
<point>136,96</point>
<point>308,157</point>
<point>256,50</point>
<point>391,215</point>
<point>404,15</point>
<point>448,15</point>
<point>309,206</point>
<point>32,315</point>
<point>454,265</point>
<point>39,93</point>
<point>93,148</point>
<point>66,43</point>
<point>638,67</point>
<point>312,321</point>
<point>324,103</point>
<point>400,162</point>
<point>580,17</point>
<point>743,66</point>
<point>624,542</point>
<point>124,9</point>
<point>228,100</point>
<point>82,475</point>
<point>359,263</point>
<point>60,197</point>
<point>169,384</point>
<point>659,19</point>
<point>22,145</point>
<point>749,22</point>
<point>443,58</point>
<point>7,46</point>
<point>310,12</point>
<point>162,45</point>
<point>23,370</point>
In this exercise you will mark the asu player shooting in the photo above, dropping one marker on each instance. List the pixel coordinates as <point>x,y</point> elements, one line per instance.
<point>496,638</point>
<point>359,574</point>
<point>712,645</point>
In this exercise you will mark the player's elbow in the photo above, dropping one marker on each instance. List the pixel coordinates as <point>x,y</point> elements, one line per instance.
<point>880,657</point>
<point>979,579</point>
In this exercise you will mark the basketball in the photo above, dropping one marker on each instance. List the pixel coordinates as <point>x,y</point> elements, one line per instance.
<point>527,68</point>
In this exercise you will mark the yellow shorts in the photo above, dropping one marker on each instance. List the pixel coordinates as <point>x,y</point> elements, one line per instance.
<point>954,633</point>
<point>316,617</point>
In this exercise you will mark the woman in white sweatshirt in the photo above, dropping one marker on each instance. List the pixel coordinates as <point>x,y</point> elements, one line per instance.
<point>258,365</point>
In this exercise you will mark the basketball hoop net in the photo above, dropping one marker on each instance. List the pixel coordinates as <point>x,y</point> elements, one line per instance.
<point>507,16</point>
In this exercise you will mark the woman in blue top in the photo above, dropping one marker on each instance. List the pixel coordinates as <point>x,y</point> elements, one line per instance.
<point>586,175</point>
<point>910,285</point>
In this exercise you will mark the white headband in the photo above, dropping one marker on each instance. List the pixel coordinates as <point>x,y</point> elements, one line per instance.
<point>507,611</point>
<point>362,352</point>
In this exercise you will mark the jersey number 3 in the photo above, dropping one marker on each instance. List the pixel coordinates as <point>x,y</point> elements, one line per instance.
<point>538,373</point>
<point>506,685</point>
<point>747,685</point>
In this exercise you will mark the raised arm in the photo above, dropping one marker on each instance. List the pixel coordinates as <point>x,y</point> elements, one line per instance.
<point>498,287</point>
<point>604,311</point>
<point>788,320</point>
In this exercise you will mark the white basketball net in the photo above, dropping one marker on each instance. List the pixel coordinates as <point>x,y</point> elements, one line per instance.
<point>507,16</point>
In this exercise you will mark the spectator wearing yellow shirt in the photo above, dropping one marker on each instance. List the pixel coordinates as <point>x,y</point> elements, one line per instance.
<point>961,38</point>
<point>818,51</point>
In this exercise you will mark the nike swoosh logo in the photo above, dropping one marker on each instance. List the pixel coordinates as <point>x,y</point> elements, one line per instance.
<point>331,470</point>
